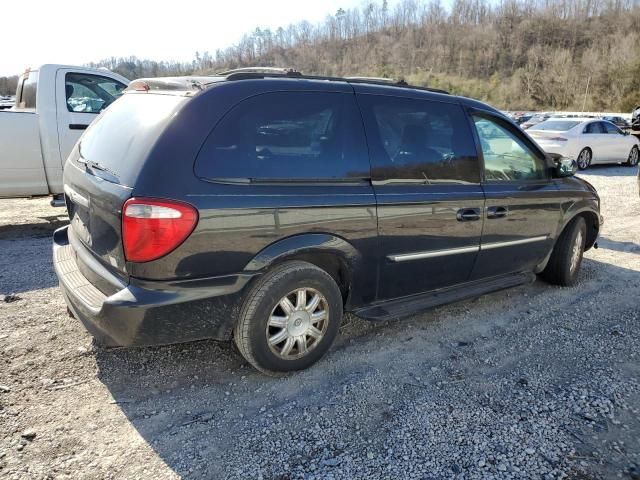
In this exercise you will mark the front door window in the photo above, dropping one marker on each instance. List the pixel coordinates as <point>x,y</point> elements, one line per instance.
<point>507,157</point>
<point>90,93</point>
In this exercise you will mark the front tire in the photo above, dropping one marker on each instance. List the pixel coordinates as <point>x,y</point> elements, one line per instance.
<point>566,258</point>
<point>584,159</point>
<point>632,160</point>
<point>289,319</point>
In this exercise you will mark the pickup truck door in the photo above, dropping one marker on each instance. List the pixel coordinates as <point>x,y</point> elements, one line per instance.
<point>522,210</point>
<point>21,163</point>
<point>80,97</point>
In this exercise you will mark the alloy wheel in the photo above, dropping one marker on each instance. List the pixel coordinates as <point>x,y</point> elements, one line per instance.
<point>633,157</point>
<point>584,159</point>
<point>297,323</point>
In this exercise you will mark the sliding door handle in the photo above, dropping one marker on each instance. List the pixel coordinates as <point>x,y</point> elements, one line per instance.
<point>78,126</point>
<point>497,212</point>
<point>468,214</point>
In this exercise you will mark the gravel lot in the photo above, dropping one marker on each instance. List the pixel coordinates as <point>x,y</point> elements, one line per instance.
<point>535,382</point>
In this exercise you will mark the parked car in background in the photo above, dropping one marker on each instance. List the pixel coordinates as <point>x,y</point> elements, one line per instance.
<point>261,206</point>
<point>618,122</point>
<point>588,140</point>
<point>524,117</point>
<point>54,105</point>
<point>7,102</point>
<point>534,120</point>
<point>635,122</point>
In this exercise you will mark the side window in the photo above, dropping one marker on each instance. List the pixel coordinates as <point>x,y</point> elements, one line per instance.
<point>610,128</point>
<point>507,157</point>
<point>29,90</point>
<point>594,128</point>
<point>287,136</point>
<point>419,140</point>
<point>90,93</point>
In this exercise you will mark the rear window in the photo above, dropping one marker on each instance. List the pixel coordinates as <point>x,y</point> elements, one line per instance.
<point>294,136</point>
<point>556,125</point>
<point>122,136</point>
<point>28,92</point>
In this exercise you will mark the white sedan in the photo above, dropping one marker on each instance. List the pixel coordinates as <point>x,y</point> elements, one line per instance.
<point>588,140</point>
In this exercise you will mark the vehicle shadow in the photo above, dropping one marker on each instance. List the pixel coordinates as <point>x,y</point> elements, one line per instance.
<point>39,227</point>
<point>609,171</point>
<point>26,263</point>
<point>192,402</point>
<point>629,247</point>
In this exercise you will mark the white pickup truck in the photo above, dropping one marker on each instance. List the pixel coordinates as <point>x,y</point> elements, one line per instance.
<point>54,104</point>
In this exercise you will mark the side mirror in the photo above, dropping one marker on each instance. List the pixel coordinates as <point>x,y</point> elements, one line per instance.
<point>563,166</point>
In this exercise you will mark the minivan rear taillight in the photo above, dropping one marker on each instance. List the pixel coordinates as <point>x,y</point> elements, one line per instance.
<point>152,228</point>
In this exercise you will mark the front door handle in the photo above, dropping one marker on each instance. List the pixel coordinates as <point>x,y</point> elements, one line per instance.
<point>497,212</point>
<point>78,126</point>
<point>468,214</point>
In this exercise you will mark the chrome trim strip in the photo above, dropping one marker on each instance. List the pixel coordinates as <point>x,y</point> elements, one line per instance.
<point>405,257</point>
<point>431,254</point>
<point>490,246</point>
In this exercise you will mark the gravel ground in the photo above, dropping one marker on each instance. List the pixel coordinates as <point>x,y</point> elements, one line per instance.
<point>535,382</point>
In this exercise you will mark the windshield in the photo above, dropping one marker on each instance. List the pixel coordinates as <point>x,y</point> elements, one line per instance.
<point>120,139</point>
<point>557,125</point>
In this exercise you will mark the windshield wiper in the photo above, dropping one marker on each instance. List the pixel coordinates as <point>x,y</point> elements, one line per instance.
<point>96,166</point>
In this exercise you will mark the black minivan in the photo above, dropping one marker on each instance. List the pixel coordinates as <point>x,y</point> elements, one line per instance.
<point>262,205</point>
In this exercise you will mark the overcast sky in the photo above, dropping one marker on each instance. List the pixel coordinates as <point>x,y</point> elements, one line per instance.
<point>75,32</point>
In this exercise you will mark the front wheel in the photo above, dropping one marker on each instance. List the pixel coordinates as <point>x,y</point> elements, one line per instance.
<point>584,159</point>
<point>566,258</point>
<point>289,318</point>
<point>632,160</point>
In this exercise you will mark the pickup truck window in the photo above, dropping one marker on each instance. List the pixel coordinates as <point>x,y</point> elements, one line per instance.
<point>90,93</point>
<point>28,92</point>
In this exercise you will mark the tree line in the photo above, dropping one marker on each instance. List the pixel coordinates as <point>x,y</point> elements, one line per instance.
<point>515,54</point>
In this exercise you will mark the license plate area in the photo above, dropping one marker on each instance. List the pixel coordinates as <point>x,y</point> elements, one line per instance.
<point>78,206</point>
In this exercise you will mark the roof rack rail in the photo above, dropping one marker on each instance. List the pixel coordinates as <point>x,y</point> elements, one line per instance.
<point>272,72</point>
<point>375,79</point>
<point>233,71</point>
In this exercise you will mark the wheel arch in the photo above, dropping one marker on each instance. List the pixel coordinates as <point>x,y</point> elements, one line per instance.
<point>333,254</point>
<point>591,218</point>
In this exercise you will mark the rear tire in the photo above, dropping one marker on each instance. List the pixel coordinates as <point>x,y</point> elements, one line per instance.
<point>584,158</point>
<point>566,258</point>
<point>632,160</point>
<point>289,318</point>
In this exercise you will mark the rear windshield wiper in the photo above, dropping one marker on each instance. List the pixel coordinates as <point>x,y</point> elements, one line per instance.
<point>96,166</point>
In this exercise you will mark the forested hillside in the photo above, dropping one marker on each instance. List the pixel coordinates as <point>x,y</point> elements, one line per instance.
<point>538,54</point>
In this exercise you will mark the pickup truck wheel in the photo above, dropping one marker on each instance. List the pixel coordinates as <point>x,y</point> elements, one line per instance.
<point>632,160</point>
<point>566,258</point>
<point>584,159</point>
<point>289,318</point>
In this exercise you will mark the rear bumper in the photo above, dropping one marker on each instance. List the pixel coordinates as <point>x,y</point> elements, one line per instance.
<point>147,312</point>
<point>555,147</point>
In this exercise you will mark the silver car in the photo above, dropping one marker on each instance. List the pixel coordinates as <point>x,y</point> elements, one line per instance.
<point>589,141</point>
